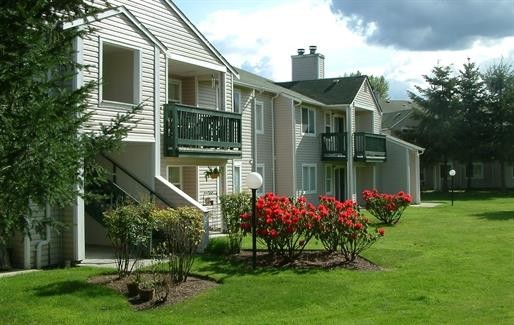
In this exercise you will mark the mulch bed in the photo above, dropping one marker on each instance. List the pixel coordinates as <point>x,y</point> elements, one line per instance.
<point>195,285</point>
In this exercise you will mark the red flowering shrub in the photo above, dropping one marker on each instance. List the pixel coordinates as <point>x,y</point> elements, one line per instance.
<point>387,208</point>
<point>341,226</point>
<point>285,225</point>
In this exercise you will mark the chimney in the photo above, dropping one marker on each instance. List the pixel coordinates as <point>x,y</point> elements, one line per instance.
<point>308,66</point>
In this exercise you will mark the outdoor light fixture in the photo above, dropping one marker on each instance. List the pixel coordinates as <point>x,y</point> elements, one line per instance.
<point>254,181</point>
<point>452,173</point>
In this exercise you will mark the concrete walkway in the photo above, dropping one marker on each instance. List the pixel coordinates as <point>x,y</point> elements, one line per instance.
<point>427,205</point>
<point>16,272</point>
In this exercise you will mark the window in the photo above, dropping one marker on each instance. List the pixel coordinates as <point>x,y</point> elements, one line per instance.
<point>476,172</point>
<point>308,121</point>
<point>175,176</point>
<point>175,90</point>
<point>328,124</point>
<point>237,101</point>
<point>259,117</point>
<point>119,72</point>
<point>328,179</point>
<point>309,178</point>
<point>259,168</point>
<point>236,185</point>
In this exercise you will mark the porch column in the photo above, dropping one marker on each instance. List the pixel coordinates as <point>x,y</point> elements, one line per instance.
<point>350,179</point>
<point>79,240</point>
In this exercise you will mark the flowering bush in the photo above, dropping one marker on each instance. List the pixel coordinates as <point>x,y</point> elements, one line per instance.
<point>341,226</point>
<point>284,224</point>
<point>387,208</point>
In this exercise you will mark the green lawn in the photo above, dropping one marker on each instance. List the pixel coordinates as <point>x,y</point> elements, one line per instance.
<point>442,265</point>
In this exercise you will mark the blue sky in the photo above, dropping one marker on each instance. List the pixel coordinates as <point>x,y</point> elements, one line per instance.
<point>400,39</point>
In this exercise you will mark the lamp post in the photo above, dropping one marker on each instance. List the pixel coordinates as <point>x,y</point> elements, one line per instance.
<point>254,181</point>
<point>452,175</point>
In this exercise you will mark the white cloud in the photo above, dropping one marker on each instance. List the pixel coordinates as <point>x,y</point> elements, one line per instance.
<point>264,39</point>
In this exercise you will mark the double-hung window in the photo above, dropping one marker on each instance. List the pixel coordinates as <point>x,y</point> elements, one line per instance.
<point>309,178</point>
<point>237,101</point>
<point>236,185</point>
<point>259,117</point>
<point>308,121</point>
<point>328,179</point>
<point>259,168</point>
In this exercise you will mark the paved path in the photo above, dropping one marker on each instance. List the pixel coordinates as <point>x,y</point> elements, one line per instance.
<point>427,205</point>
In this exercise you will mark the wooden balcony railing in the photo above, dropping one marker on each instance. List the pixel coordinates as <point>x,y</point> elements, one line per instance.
<point>370,147</point>
<point>194,131</point>
<point>333,146</point>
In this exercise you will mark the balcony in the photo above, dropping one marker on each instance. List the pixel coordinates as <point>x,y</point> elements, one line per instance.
<point>370,147</point>
<point>193,131</point>
<point>333,146</point>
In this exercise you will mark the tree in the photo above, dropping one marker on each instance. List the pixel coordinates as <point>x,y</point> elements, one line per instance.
<point>438,117</point>
<point>499,81</point>
<point>379,85</point>
<point>470,127</point>
<point>43,142</point>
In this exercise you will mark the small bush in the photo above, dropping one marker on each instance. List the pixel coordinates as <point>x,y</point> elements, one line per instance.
<point>341,226</point>
<point>232,207</point>
<point>182,229</point>
<point>387,208</point>
<point>219,246</point>
<point>129,227</point>
<point>284,224</point>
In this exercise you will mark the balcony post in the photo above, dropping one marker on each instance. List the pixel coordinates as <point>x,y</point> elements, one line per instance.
<point>174,133</point>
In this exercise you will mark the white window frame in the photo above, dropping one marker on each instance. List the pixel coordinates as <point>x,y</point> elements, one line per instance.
<point>237,165</point>
<point>481,174</point>
<point>258,169</point>
<point>178,82</point>
<point>329,172</point>
<point>259,127</point>
<point>311,188</point>
<point>136,87</point>
<point>313,133</point>
<point>181,176</point>
<point>237,93</point>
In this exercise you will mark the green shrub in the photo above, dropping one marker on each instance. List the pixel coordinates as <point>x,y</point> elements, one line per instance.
<point>232,207</point>
<point>129,227</point>
<point>182,229</point>
<point>218,246</point>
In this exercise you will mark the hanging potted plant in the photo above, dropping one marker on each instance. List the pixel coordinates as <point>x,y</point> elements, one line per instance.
<point>213,173</point>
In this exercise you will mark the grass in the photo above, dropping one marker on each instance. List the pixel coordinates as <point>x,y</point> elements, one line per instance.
<point>442,265</point>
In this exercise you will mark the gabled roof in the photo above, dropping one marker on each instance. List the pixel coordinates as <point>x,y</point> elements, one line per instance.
<point>331,91</point>
<point>250,80</point>
<point>201,37</point>
<point>396,111</point>
<point>121,10</point>
<point>404,143</point>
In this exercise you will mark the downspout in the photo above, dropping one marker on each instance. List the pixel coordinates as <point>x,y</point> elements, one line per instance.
<point>273,158</point>
<point>47,240</point>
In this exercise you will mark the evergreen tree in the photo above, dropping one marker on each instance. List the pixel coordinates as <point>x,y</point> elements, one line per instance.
<point>471,127</point>
<point>499,80</point>
<point>438,117</point>
<point>43,142</point>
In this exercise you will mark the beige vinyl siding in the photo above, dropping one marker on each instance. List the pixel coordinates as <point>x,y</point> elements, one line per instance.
<point>364,121</point>
<point>264,142</point>
<point>308,150</point>
<point>118,30</point>
<point>284,145</point>
<point>228,91</point>
<point>189,91</point>
<point>246,134</point>
<point>364,98</point>
<point>206,94</point>
<point>167,26</point>
<point>377,122</point>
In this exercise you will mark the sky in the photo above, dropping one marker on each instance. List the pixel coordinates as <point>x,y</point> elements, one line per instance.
<point>399,39</point>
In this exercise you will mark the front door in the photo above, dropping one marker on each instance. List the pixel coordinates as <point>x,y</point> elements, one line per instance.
<point>339,183</point>
<point>339,124</point>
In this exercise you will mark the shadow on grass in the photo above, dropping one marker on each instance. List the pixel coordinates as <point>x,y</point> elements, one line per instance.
<point>223,267</point>
<point>497,215</point>
<point>75,287</point>
<point>463,195</point>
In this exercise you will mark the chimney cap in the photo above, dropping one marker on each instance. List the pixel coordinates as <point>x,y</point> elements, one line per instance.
<point>312,49</point>
<point>301,51</point>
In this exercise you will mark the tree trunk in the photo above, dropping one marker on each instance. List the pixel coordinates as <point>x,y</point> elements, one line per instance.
<point>5,262</point>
